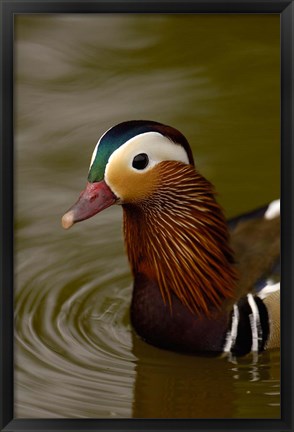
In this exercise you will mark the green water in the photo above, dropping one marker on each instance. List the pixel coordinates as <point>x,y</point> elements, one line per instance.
<point>213,77</point>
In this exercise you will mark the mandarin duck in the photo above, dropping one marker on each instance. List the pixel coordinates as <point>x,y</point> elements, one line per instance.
<point>201,284</point>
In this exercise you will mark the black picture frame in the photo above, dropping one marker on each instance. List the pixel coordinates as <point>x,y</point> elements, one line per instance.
<point>8,10</point>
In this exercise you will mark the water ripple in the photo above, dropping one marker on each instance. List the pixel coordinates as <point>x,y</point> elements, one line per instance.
<point>72,330</point>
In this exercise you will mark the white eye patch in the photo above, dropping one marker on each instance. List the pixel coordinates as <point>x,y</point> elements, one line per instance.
<point>157,147</point>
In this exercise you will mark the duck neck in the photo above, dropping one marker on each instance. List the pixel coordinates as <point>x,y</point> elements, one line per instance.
<point>177,238</point>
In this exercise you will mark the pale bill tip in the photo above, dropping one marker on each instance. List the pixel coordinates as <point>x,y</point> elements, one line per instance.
<point>67,220</point>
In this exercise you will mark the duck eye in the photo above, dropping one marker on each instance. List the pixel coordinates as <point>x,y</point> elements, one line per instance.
<point>140,161</point>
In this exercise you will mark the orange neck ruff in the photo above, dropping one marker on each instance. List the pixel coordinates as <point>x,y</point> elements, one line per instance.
<point>178,237</point>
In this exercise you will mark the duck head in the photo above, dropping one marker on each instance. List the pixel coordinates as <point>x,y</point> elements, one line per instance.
<point>175,232</point>
<point>123,166</point>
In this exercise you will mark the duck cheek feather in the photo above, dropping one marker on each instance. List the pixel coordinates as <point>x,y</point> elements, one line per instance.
<point>95,198</point>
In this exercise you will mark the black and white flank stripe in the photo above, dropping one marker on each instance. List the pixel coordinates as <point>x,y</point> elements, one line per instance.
<point>249,327</point>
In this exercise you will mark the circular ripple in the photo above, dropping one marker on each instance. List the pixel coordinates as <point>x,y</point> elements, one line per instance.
<point>73,337</point>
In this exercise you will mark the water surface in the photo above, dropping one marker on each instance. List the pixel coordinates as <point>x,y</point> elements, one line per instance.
<point>215,78</point>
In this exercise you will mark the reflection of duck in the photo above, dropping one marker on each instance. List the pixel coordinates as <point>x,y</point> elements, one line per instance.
<point>172,385</point>
<point>189,295</point>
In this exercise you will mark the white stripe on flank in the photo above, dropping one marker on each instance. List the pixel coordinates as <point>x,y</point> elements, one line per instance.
<point>232,335</point>
<point>273,210</point>
<point>269,289</point>
<point>255,323</point>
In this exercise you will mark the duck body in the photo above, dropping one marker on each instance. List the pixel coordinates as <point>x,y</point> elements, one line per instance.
<point>178,327</point>
<point>192,292</point>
